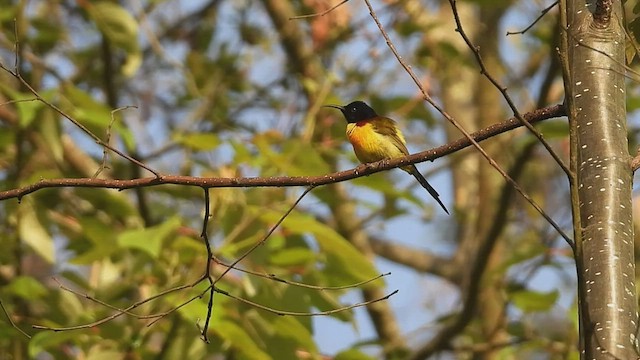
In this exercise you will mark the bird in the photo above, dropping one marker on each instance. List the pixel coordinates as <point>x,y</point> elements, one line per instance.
<point>376,138</point>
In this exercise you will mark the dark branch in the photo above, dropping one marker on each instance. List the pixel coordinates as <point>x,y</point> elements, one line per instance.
<point>602,15</point>
<point>362,170</point>
<point>474,276</point>
<point>542,14</point>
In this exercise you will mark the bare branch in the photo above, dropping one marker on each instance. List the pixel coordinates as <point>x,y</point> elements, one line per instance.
<point>299,284</point>
<point>542,14</point>
<point>323,13</point>
<point>416,259</point>
<point>105,153</point>
<point>295,313</point>
<point>473,281</point>
<point>503,90</point>
<point>15,73</point>
<point>4,310</point>
<point>266,237</point>
<point>459,126</point>
<point>207,271</point>
<point>362,170</point>
<point>120,311</point>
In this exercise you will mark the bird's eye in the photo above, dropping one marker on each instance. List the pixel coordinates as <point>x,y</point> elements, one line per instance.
<point>353,110</point>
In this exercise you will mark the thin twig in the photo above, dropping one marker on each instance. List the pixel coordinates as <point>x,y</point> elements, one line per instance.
<point>207,272</point>
<point>299,284</point>
<point>16,74</point>
<point>266,237</point>
<point>503,90</point>
<point>323,13</point>
<point>120,312</point>
<point>542,14</point>
<point>105,153</point>
<point>160,316</point>
<point>628,69</point>
<point>6,313</point>
<point>455,123</point>
<point>18,101</point>
<point>295,313</point>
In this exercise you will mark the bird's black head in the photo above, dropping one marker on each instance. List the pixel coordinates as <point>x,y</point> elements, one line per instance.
<point>356,111</point>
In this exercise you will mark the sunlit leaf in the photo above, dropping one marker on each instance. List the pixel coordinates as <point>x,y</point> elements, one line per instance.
<point>51,133</point>
<point>69,305</point>
<point>25,287</point>
<point>239,340</point>
<point>44,340</point>
<point>292,256</point>
<point>95,115</point>
<point>33,232</point>
<point>198,141</point>
<point>98,241</point>
<point>121,28</point>
<point>352,354</point>
<point>554,129</point>
<point>291,328</point>
<point>343,260</point>
<point>100,353</point>
<point>26,104</point>
<point>150,239</point>
<point>531,301</point>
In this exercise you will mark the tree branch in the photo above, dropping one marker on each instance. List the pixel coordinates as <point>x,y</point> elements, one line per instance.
<point>362,170</point>
<point>476,271</point>
<point>459,126</point>
<point>418,260</point>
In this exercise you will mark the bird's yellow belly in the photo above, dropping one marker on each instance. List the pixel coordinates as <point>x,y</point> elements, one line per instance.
<point>370,146</point>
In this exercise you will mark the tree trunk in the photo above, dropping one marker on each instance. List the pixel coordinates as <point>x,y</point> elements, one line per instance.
<point>601,186</point>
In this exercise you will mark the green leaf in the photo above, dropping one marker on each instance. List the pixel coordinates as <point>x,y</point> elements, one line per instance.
<point>289,327</point>
<point>70,306</point>
<point>100,353</point>
<point>51,133</point>
<point>303,159</point>
<point>293,256</point>
<point>26,104</point>
<point>352,354</point>
<point>95,115</point>
<point>100,244</point>
<point>111,202</point>
<point>150,239</point>
<point>121,28</point>
<point>26,287</point>
<point>554,129</point>
<point>532,301</point>
<point>631,41</point>
<point>344,262</point>
<point>239,340</point>
<point>33,232</point>
<point>385,185</point>
<point>44,340</point>
<point>198,141</point>
<point>329,300</point>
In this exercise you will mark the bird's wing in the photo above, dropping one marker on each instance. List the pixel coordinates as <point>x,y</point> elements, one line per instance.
<point>390,130</point>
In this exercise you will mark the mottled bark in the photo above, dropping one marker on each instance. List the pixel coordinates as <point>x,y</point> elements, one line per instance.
<point>603,180</point>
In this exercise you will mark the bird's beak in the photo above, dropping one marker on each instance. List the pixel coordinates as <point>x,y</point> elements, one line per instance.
<point>341,108</point>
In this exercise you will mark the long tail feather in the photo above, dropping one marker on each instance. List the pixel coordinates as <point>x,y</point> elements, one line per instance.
<point>425,184</point>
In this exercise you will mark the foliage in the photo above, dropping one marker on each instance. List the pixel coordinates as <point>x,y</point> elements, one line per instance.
<point>223,89</point>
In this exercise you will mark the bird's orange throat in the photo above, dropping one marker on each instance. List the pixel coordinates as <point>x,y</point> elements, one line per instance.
<point>362,137</point>
<point>358,132</point>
